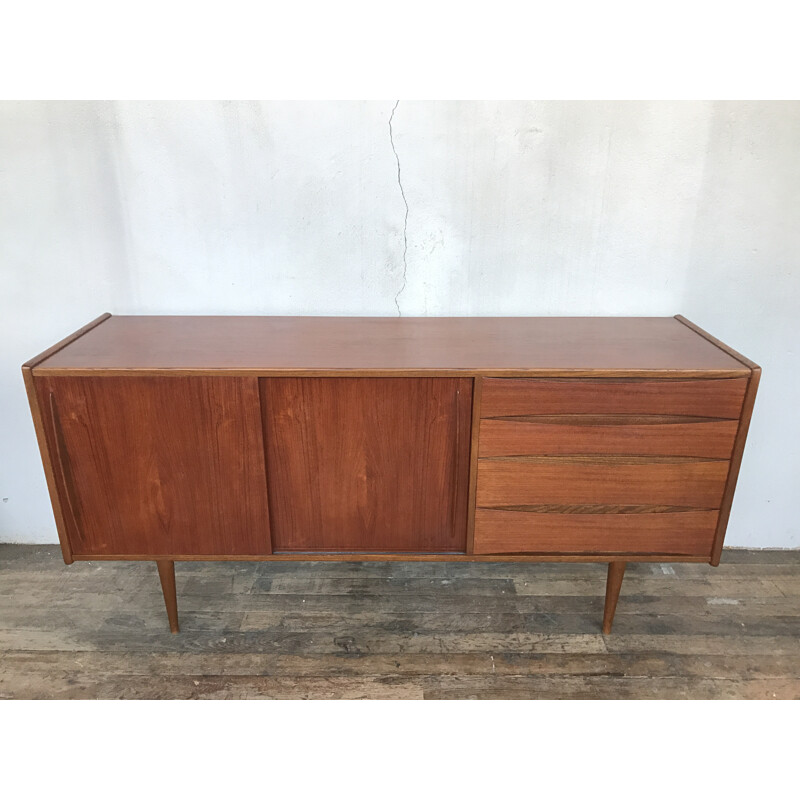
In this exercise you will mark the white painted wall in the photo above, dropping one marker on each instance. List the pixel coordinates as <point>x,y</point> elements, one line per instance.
<point>514,209</point>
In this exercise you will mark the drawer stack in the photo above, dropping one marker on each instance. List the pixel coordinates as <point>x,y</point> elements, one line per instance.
<point>603,466</point>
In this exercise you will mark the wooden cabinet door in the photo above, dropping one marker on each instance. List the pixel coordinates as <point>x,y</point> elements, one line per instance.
<point>158,466</point>
<point>368,464</point>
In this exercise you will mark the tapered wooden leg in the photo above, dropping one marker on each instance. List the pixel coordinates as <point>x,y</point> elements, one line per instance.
<point>166,571</point>
<point>616,571</point>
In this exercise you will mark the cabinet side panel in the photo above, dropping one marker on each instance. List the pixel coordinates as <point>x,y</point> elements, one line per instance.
<point>160,465</point>
<point>368,464</point>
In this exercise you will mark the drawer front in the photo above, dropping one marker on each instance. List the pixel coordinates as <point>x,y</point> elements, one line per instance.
<point>609,481</point>
<point>503,397</point>
<point>566,434</point>
<point>601,466</point>
<point>688,533</point>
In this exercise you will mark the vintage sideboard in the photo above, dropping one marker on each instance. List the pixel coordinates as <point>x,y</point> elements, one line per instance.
<point>454,439</point>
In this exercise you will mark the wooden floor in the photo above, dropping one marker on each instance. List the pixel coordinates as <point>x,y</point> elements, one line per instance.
<point>398,630</point>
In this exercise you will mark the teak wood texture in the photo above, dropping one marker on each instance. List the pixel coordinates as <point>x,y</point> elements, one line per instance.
<point>596,439</point>
<point>705,398</point>
<point>158,467</point>
<point>382,464</point>
<point>567,529</point>
<point>622,346</point>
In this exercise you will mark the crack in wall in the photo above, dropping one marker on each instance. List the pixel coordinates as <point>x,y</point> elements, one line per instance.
<point>405,220</point>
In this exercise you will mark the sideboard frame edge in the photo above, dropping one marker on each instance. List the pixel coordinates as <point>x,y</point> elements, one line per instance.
<point>374,372</point>
<point>735,464</point>
<point>588,558</point>
<point>47,463</point>
<point>718,343</point>
<point>741,435</point>
<point>41,432</point>
<point>67,340</point>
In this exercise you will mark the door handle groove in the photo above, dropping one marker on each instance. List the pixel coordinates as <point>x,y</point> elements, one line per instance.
<point>64,472</point>
<point>456,464</point>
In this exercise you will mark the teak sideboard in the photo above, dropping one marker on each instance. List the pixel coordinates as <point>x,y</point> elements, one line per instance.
<point>451,439</point>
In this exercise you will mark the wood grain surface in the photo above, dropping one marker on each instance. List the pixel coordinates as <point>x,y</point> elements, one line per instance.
<point>166,574</point>
<point>37,414</point>
<point>504,397</point>
<point>651,457</point>
<point>616,571</point>
<point>726,348</point>
<point>675,533</point>
<point>736,462</point>
<point>477,387</point>
<point>319,344</point>
<point>697,484</point>
<point>656,420</point>
<point>573,433</point>
<point>370,464</point>
<point>400,630</point>
<point>156,466</point>
<point>67,340</point>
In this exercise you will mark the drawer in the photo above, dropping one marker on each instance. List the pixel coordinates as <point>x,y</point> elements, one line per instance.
<point>508,397</point>
<point>532,480</point>
<point>565,434</point>
<point>688,533</point>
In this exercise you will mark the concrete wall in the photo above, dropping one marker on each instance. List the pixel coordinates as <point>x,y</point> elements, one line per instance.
<point>513,209</point>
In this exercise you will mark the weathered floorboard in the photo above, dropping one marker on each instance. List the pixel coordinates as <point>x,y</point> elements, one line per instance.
<point>399,630</point>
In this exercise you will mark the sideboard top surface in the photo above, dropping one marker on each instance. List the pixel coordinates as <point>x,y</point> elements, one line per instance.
<point>614,346</point>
